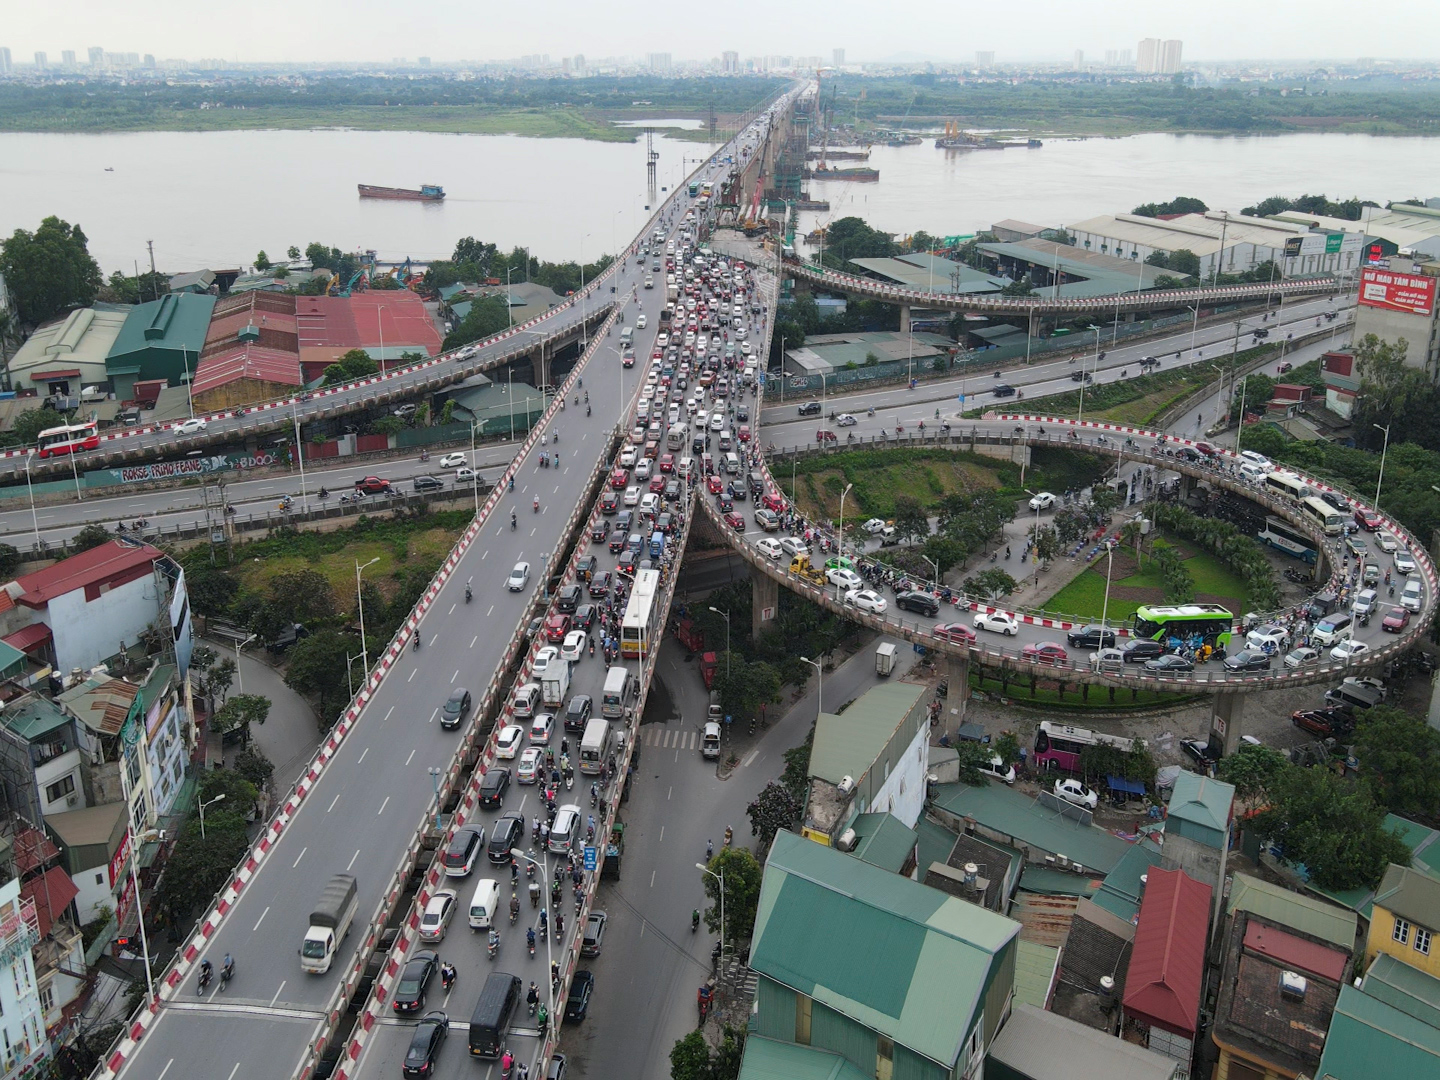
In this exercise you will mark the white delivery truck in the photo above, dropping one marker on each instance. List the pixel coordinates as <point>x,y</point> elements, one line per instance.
<point>885,658</point>
<point>555,683</point>
<point>329,923</point>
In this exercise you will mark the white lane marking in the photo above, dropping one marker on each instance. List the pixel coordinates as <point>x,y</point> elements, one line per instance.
<point>485,555</point>
<point>387,717</point>
<point>260,919</point>
<point>454,677</point>
<point>662,834</point>
<point>299,857</point>
<point>367,749</point>
<point>410,758</point>
<point>476,638</point>
<point>333,802</point>
<point>277,994</point>
<point>382,806</point>
<point>652,879</point>
<point>750,758</point>
<point>166,1069</point>
<point>233,1071</point>
<point>669,791</point>
<point>533,531</point>
<point>490,612</point>
<point>434,713</point>
<point>412,675</point>
<point>451,611</point>
<point>353,858</point>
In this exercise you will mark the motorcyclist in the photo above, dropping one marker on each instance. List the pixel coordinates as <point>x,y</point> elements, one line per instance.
<point>537,504</point>
<point>530,941</point>
<point>532,997</point>
<point>227,970</point>
<point>494,941</point>
<point>207,971</point>
<point>695,919</point>
<point>512,519</point>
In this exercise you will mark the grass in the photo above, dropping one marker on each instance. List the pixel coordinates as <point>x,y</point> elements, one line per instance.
<point>1085,596</point>
<point>1099,700</point>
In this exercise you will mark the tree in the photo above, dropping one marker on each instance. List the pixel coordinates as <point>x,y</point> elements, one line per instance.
<point>90,536</point>
<point>254,766</point>
<point>990,583</point>
<point>216,677</point>
<point>355,364</point>
<point>775,808</point>
<point>50,270</point>
<point>31,422</point>
<point>972,755</point>
<point>911,521</point>
<point>199,866</point>
<point>211,589</point>
<point>262,261</point>
<point>1185,261</point>
<point>239,713</point>
<point>690,1058</point>
<point>1105,499</point>
<point>317,667</point>
<point>1159,258</point>
<point>1388,385</point>
<point>293,252</point>
<point>305,594</point>
<point>1181,204</point>
<point>1252,769</point>
<point>1047,542</point>
<point>9,561</point>
<point>742,876</point>
<point>745,685</point>
<point>796,774</point>
<point>1007,748</point>
<point>1018,287</point>
<point>1400,759</point>
<point>487,317</point>
<point>729,1054</point>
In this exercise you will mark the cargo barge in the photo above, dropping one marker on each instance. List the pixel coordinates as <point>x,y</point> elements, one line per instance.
<point>427,193</point>
<point>842,174</point>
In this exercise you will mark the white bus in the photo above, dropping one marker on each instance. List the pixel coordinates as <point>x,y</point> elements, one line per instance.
<point>1285,483</point>
<point>1283,536</point>
<point>1323,514</point>
<point>638,632</point>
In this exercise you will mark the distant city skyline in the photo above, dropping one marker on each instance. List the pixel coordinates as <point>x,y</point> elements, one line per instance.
<point>368,31</point>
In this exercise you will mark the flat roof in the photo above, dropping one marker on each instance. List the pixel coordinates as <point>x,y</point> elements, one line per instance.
<point>1012,813</point>
<point>1044,1045</point>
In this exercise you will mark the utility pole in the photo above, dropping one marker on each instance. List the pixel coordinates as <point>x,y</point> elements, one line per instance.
<point>154,294</point>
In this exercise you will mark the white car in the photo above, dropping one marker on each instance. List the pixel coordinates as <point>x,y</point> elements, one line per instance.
<point>438,913</point>
<point>1002,622</point>
<point>1301,656</point>
<point>717,422</point>
<point>1270,634</point>
<point>996,769</point>
<point>1251,457</point>
<point>771,547</point>
<point>845,579</point>
<point>541,729</point>
<point>632,496</point>
<point>662,340</point>
<point>1412,597</point>
<point>867,600</point>
<point>643,468</point>
<point>649,282</point>
<point>464,475</point>
<point>873,526</point>
<point>574,645</point>
<point>1386,542</point>
<point>640,321</point>
<point>793,545</point>
<point>845,420</point>
<point>1348,649</point>
<point>1073,791</point>
<point>519,577</point>
<point>1404,562</point>
<point>507,742</point>
<point>543,657</point>
<point>1043,501</point>
<point>452,461</point>
<point>190,427</point>
<point>627,457</point>
<point>529,769</point>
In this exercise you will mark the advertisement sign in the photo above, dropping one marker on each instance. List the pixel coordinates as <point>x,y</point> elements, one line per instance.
<point>1413,294</point>
<point>181,625</point>
<point>1309,244</point>
<point>117,862</point>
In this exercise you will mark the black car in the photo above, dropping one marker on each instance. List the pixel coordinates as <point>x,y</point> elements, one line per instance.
<point>1139,650</point>
<point>585,566</point>
<point>414,978</point>
<point>578,1003</point>
<point>599,531</point>
<point>1248,660</point>
<point>1338,502</point>
<point>1004,390</point>
<point>672,490</point>
<point>1203,754</point>
<point>584,617</point>
<point>457,708</point>
<point>920,602</point>
<point>1169,664</point>
<point>625,520</point>
<point>617,540</point>
<point>600,583</point>
<point>508,832</point>
<point>429,483</point>
<point>736,490</point>
<point>812,408</point>
<point>493,786</point>
<point>594,929</point>
<point>1091,637</point>
<point>425,1043</point>
<point>568,599</point>
<point>460,853</point>
<point>609,501</point>
<point>727,504</point>
<point>742,414</point>
<point>577,713</point>
<point>533,627</point>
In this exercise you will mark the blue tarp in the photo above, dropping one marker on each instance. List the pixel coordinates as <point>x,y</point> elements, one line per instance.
<point>1129,787</point>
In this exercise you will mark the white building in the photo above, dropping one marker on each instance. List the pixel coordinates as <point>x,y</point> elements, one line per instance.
<point>69,354</point>
<point>23,1044</point>
<point>1147,56</point>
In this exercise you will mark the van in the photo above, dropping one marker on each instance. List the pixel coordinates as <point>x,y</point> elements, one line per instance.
<point>657,544</point>
<point>1354,695</point>
<point>1333,628</point>
<point>618,682</point>
<point>686,468</point>
<point>484,904</point>
<point>1367,600</point>
<point>627,335</point>
<point>732,464</point>
<point>499,998</point>
<point>1322,604</point>
<point>525,699</point>
<point>565,832</point>
<point>710,741</point>
<point>594,745</point>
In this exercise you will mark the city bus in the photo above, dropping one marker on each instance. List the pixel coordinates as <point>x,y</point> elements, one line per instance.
<point>1058,746</point>
<point>1323,514</point>
<point>1288,484</point>
<point>68,439</point>
<point>1286,538</point>
<point>707,189</point>
<point>638,631</point>
<point>694,188</point>
<point>1210,622</point>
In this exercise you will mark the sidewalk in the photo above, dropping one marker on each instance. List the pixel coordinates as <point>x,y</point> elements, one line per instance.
<point>290,735</point>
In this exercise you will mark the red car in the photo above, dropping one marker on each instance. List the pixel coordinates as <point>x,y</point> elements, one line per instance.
<point>657,483</point>
<point>957,633</point>
<point>1368,520</point>
<point>556,627</point>
<point>773,502</point>
<point>735,521</point>
<point>714,484</point>
<point>744,432</point>
<point>667,462</point>
<point>1396,619</point>
<point>620,479</point>
<point>372,485</point>
<point>1045,652</point>
<point>628,360</point>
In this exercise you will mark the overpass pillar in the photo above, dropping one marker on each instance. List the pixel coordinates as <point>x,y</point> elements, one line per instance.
<point>542,368</point>
<point>904,318</point>
<point>1226,712</point>
<point>764,603</point>
<point>956,671</point>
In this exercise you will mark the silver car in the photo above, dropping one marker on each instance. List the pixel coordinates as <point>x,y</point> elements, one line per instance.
<point>519,577</point>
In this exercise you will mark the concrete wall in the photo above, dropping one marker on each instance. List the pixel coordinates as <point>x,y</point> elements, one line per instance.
<point>1421,333</point>
<point>87,631</point>
<point>902,792</point>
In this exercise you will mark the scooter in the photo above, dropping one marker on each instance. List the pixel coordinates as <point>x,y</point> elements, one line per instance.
<point>226,974</point>
<point>205,973</point>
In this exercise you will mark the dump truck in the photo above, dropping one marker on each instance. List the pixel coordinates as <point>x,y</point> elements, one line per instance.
<point>801,565</point>
<point>329,923</point>
<point>614,850</point>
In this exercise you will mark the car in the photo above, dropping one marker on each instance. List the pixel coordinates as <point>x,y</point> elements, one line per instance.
<point>532,765</point>
<point>556,627</point>
<point>585,567</point>
<point>1138,650</point>
<point>714,485</point>
<point>1001,622</point>
<point>1326,723</point>
<point>867,600</point>
<point>1277,637</point>
<point>809,408</point>
<point>1045,652</point>
<point>600,584</point>
<point>873,526</point>
<point>577,713</point>
<point>1003,390</point>
<point>667,463</point>
<point>642,469</point>
<point>845,420</point>
<point>582,986</point>
<point>773,501</point>
<point>405,410</point>
<point>533,627</point>
<point>460,853</point>
<point>541,728</point>
<point>1339,502</point>
<point>493,786</point>
<point>425,1042</point>
<point>727,504</point>
<point>736,490</point>
<point>594,934</point>
<point>1300,656</point>
<point>767,519</point>
<point>465,475</point>
<point>455,709</point>
<point>1396,619</point>
<point>452,461</point>
<point>567,598</point>
<point>843,578</point>
<point>1368,520</point>
<point>617,540</point>
<point>640,321</point>
<point>1387,542</point>
<point>996,769</point>
<point>1247,660</point>
<point>1259,460</point>
<point>1201,752</point>
<point>921,603</point>
<point>955,633</point>
<point>793,546</point>
<point>573,647</point>
<point>1404,562</point>
<point>735,521</point>
<point>1169,664</point>
<point>1042,501</point>
<point>508,741</point>
<point>632,496</point>
<point>770,547</point>
<point>506,834</point>
<point>415,976</point>
<point>1412,597</point>
<point>1073,791</point>
<point>428,483</point>
<point>439,910</point>
<point>1349,649</point>
<point>599,531</point>
<point>193,426</point>
<point>372,485</point>
<point>1092,637</point>
<point>619,479</point>
<point>519,577</point>
<point>1358,548</point>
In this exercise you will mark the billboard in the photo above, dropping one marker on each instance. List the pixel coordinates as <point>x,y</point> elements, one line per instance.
<point>1413,294</point>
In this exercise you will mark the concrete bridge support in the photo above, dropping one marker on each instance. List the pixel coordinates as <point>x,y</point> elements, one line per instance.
<point>955,669</point>
<point>1226,712</point>
<point>764,603</point>
<point>904,318</point>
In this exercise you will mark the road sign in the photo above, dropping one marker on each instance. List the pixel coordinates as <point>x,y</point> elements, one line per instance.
<point>591,857</point>
<point>961,398</point>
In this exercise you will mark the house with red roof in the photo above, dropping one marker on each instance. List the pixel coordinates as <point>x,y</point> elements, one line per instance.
<point>386,323</point>
<point>1165,983</point>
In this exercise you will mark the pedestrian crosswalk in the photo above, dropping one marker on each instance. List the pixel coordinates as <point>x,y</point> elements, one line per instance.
<point>668,738</point>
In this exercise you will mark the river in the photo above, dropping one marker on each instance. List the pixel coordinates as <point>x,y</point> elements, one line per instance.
<point>213,199</point>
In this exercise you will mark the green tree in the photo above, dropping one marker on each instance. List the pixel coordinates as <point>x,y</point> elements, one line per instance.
<point>742,876</point>
<point>911,521</point>
<point>775,808</point>
<point>487,317</point>
<point>239,713</point>
<point>690,1058</point>
<point>729,1054</point>
<point>1158,258</point>
<point>1400,759</point>
<point>1388,385</point>
<point>355,364</point>
<point>1047,542</point>
<point>745,685</point>
<point>217,676</point>
<point>316,667</point>
<point>1007,748</point>
<point>990,583</point>
<point>1252,769</point>
<point>211,589</point>
<point>90,536</point>
<point>1018,287</point>
<point>1181,204</point>
<point>972,755</point>
<point>262,261</point>
<point>305,595</point>
<point>198,866</point>
<point>1185,261</point>
<point>254,766</point>
<point>31,422</point>
<point>9,561</point>
<point>50,270</point>
<point>796,774</point>
<point>293,252</point>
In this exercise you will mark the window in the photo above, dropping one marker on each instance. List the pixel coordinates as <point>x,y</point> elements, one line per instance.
<point>47,998</point>
<point>802,1019</point>
<point>884,1057</point>
<point>99,879</point>
<point>1422,941</point>
<point>58,790</point>
<point>1401,932</point>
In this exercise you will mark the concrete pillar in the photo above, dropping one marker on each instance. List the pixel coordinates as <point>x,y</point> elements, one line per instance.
<point>542,367</point>
<point>1226,711</point>
<point>904,318</point>
<point>764,602</point>
<point>957,670</point>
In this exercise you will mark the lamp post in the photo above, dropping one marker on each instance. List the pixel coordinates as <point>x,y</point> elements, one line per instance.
<point>474,475</point>
<point>541,335</point>
<point>720,877</point>
<point>819,686</point>
<point>933,565</point>
<point>509,300</point>
<point>434,771</point>
<point>584,300</point>
<point>1035,498</point>
<point>299,455</point>
<point>1105,606</point>
<point>1383,450</point>
<point>544,867</point>
<point>238,646</point>
<point>840,543</point>
<point>1194,326</point>
<point>205,803</point>
<point>360,604</point>
<point>34,519</point>
<point>726,616</point>
<point>1080,416</point>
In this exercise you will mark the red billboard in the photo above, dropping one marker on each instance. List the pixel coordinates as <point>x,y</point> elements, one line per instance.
<point>1410,293</point>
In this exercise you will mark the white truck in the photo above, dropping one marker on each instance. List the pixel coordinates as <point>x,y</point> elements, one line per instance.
<point>885,658</point>
<point>555,683</point>
<point>329,923</point>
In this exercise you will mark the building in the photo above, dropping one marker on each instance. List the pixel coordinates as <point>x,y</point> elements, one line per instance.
<point>1077,60</point>
<point>659,61</point>
<point>1387,1028</point>
<point>1009,229</point>
<point>195,281</point>
<point>1170,56</point>
<point>931,273</point>
<point>97,56</point>
<point>6,64</point>
<point>1147,56</point>
<point>984,59</point>
<point>837,57</point>
<point>825,354</point>
<point>251,351</point>
<point>22,1024</point>
<point>1342,382</point>
<point>1165,983</point>
<point>1398,301</point>
<point>1198,821</point>
<point>386,323</point>
<point>493,408</point>
<point>95,846</point>
<point>1410,229</point>
<point>41,62</point>
<point>59,955</point>
<point>65,356</point>
<point>1404,918</point>
<point>1282,906</point>
<point>861,972</point>
<point>42,759</point>
<point>161,339</point>
<point>1080,273</point>
<point>1039,1045</point>
<point>730,62</point>
<point>67,59</point>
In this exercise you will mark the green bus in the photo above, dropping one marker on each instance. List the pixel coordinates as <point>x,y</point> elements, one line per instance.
<point>1210,622</point>
<point>694,188</point>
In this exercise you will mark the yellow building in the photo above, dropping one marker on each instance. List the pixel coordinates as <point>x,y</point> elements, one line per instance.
<point>1406,919</point>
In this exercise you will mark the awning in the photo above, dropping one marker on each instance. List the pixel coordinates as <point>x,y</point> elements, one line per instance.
<point>1129,787</point>
<point>67,373</point>
<point>29,637</point>
<point>52,892</point>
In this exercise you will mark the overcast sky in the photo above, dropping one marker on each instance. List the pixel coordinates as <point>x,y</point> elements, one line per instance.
<point>868,30</point>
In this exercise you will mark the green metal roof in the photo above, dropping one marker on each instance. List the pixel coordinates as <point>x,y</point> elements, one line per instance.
<point>1406,988</point>
<point>895,956</point>
<point>174,322</point>
<point>461,309</point>
<point>1017,815</point>
<point>1296,910</point>
<point>770,1059</point>
<point>1119,893</point>
<point>883,841</point>
<point>1371,1039</point>
<point>936,843</point>
<point>1410,893</point>
<point>931,272</point>
<point>156,686</point>
<point>847,744</point>
<point>1034,972</point>
<point>1040,879</point>
<point>35,718</point>
<point>1202,800</point>
<point>12,660</point>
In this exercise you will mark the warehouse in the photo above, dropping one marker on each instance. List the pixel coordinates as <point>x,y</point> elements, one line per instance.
<point>69,354</point>
<point>161,339</point>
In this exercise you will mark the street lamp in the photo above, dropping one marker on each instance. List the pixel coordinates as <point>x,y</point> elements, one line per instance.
<point>208,802</point>
<point>726,616</point>
<point>34,519</point>
<point>1381,478</point>
<point>840,534</point>
<point>509,300</point>
<point>238,646</point>
<point>1105,606</point>
<point>819,686</point>
<point>933,565</point>
<point>1080,416</point>
<point>360,603</point>
<point>544,867</point>
<point>1036,499</point>
<point>435,784</point>
<point>720,877</point>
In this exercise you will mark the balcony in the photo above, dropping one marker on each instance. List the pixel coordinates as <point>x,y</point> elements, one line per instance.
<point>19,930</point>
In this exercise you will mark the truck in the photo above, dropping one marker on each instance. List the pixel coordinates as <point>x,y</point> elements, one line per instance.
<point>614,850</point>
<point>555,683</point>
<point>708,664</point>
<point>690,635</point>
<point>329,923</point>
<point>800,565</point>
<point>885,658</point>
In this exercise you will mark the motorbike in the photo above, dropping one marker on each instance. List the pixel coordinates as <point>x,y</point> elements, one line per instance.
<point>324,494</point>
<point>448,975</point>
<point>226,974</point>
<point>569,779</point>
<point>205,973</point>
<point>492,947</point>
<point>514,908</point>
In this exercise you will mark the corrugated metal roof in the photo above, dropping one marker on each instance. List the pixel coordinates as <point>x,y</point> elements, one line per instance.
<point>1407,988</point>
<point>247,362</point>
<point>1280,905</point>
<point>1044,1045</point>
<point>1035,966</point>
<point>27,638</point>
<point>34,718</point>
<point>1294,952</point>
<point>1371,1039</point>
<point>109,561</point>
<point>933,274</point>
<point>883,841</point>
<point>52,892</point>
<point>93,825</point>
<point>771,1059</point>
<point>175,321</point>
<point>101,703</point>
<point>1167,970</point>
<point>1017,815</point>
<point>1410,893</point>
<point>1120,892</point>
<point>847,744</point>
<point>1202,800</point>
<point>907,961</point>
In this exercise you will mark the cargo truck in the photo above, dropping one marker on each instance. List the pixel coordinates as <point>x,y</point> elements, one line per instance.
<point>329,923</point>
<point>555,683</point>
